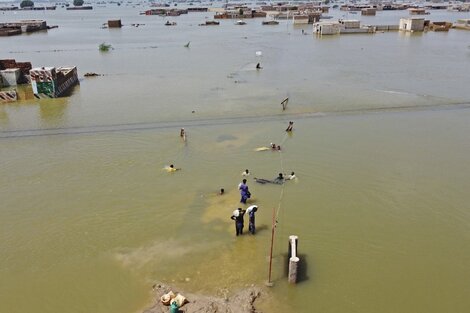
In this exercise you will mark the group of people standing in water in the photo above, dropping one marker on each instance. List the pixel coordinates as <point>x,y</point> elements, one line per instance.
<point>238,214</point>
<point>238,217</point>
<point>245,194</point>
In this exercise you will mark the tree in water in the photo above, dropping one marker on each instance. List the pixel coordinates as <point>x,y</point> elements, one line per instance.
<point>78,3</point>
<point>103,47</point>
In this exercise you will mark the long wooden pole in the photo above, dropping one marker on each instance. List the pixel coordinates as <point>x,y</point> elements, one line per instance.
<point>272,244</point>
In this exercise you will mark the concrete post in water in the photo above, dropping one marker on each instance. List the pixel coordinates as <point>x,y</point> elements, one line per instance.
<point>293,259</point>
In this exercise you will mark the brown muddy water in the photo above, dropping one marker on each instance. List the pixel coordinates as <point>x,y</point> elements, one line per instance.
<point>89,219</point>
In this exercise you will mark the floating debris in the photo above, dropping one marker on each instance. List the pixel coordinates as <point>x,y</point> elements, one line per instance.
<point>91,74</point>
<point>284,103</point>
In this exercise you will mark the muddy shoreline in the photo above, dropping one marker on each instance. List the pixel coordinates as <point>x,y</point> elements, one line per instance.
<point>242,301</point>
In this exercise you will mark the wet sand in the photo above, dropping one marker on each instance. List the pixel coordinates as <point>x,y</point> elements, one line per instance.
<point>243,301</point>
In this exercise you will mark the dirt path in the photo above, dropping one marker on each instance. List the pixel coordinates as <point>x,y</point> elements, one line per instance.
<point>241,302</point>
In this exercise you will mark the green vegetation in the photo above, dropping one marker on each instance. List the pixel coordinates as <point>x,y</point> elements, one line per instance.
<point>78,3</point>
<point>103,47</point>
<point>26,4</point>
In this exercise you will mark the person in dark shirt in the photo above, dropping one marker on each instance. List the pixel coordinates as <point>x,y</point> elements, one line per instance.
<point>279,180</point>
<point>290,126</point>
<point>237,216</point>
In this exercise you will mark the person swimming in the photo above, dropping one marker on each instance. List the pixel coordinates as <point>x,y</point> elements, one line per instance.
<point>291,176</point>
<point>272,146</point>
<point>172,168</point>
<point>279,180</point>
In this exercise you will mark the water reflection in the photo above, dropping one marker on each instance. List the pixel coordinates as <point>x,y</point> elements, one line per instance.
<point>404,34</point>
<point>52,111</point>
<point>25,92</point>
<point>3,116</point>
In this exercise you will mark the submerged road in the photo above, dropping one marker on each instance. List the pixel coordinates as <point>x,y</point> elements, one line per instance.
<point>126,127</point>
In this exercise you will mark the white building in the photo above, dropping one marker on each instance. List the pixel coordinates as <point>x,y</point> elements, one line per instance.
<point>326,28</point>
<point>350,24</point>
<point>300,19</point>
<point>412,24</point>
<point>463,24</point>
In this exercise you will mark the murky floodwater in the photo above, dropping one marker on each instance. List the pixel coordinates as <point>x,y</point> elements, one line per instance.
<point>89,220</point>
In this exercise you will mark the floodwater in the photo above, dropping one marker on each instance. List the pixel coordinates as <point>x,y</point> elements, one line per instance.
<point>89,221</point>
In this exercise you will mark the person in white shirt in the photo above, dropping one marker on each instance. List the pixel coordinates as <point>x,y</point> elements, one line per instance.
<point>251,210</point>
<point>291,176</point>
<point>246,173</point>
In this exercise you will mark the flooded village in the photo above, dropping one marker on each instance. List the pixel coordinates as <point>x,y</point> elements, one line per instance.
<point>234,156</point>
<point>298,13</point>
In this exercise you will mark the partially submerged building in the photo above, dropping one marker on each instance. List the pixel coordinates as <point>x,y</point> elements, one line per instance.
<point>114,23</point>
<point>83,7</point>
<point>239,13</point>
<point>462,7</point>
<point>326,28</point>
<point>300,19</point>
<point>369,11</point>
<point>47,82</point>
<point>8,95</point>
<point>417,11</point>
<point>412,24</point>
<point>166,12</point>
<point>24,26</point>
<point>10,77</point>
<point>354,7</point>
<point>440,26</point>
<point>13,73</point>
<point>53,82</point>
<point>354,27</point>
<point>350,24</point>
<point>462,24</point>
<point>296,13</point>
<point>342,27</point>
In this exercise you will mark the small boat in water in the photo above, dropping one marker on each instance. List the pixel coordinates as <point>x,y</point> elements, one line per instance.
<point>240,22</point>
<point>207,23</point>
<point>168,23</point>
<point>270,22</point>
